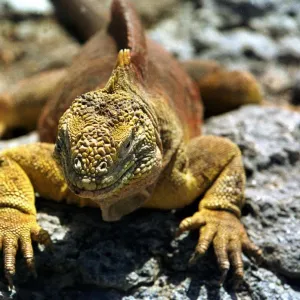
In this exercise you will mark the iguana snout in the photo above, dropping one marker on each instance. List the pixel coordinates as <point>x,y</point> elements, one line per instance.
<point>106,146</point>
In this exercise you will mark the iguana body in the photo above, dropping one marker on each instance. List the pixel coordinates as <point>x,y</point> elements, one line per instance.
<point>131,139</point>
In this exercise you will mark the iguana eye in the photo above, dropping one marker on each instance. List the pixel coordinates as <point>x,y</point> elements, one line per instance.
<point>128,145</point>
<point>58,145</point>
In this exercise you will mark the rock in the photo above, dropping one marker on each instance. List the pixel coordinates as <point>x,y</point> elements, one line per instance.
<point>26,139</point>
<point>139,258</point>
<point>290,8</point>
<point>173,39</point>
<point>27,6</point>
<point>174,34</point>
<point>275,25</point>
<point>186,34</point>
<point>207,16</point>
<point>236,13</point>
<point>289,49</point>
<point>295,98</point>
<point>261,146</point>
<point>276,79</point>
<point>152,11</point>
<point>270,144</point>
<point>235,43</point>
<point>249,9</point>
<point>31,46</point>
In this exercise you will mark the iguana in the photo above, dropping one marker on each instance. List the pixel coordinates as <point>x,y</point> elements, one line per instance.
<point>127,135</point>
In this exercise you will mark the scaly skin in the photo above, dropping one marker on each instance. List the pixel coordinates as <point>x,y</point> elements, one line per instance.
<point>127,145</point>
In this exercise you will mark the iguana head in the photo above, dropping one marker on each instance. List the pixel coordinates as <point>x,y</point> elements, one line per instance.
<point>107,143</point>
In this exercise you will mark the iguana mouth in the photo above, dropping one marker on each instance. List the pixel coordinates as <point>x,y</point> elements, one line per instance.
<point>119,179</point>
<point>100,189</point>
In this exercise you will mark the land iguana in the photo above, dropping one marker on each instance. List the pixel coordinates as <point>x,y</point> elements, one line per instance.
<point>124,135</point>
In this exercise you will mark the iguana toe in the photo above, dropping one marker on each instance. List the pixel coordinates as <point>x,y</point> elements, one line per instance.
<point>41,236</point>
<point>251,250</point>
<point>18,230</point>
<point>10,247</point>
<point>226,233</point>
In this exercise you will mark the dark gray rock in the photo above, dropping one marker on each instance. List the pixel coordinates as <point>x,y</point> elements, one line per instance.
<point>295,97</point>
<point>139,258</point>
<point>247,8</point>
<point>276,141</point>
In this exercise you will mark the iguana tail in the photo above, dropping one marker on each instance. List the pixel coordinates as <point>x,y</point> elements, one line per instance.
<point>223,90</point>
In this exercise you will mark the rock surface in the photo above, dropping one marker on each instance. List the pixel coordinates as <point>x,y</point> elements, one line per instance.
<point>30,46</point>
<point>139,258</point>
<point>28,6</point>
<point>252,35</point>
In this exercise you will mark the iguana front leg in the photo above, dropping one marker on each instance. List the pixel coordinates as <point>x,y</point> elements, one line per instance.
<point>18,224</point>
<point>215,171</point>
<point>23,171</point>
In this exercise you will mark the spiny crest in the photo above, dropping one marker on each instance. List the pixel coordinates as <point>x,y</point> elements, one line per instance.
<point>124,58</point>
<point>124,76</point>
<point>127,30</point>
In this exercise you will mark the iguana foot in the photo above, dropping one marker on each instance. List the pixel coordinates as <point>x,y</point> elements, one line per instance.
<point>18,229</point>
<point>228,236</point>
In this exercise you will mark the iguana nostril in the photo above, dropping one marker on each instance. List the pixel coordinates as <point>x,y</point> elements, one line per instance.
<point>102,168</point>
<point>77,164</point>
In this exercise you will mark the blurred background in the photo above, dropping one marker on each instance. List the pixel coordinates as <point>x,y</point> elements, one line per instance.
<point>257,35</point>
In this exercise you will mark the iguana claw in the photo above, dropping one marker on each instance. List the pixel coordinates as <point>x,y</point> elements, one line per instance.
<point>228,236</point>
<point>18,230</point>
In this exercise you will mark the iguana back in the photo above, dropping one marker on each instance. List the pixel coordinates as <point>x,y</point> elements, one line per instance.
<point>160,72</point>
